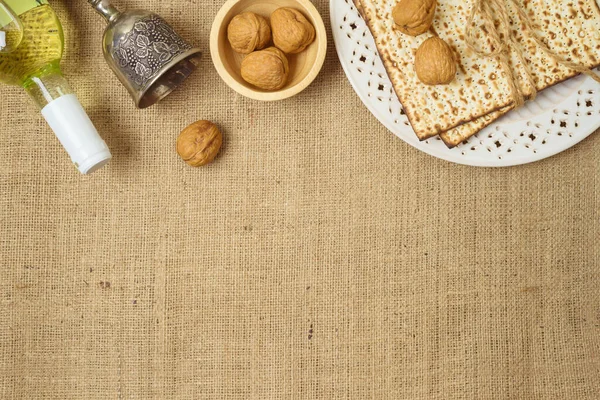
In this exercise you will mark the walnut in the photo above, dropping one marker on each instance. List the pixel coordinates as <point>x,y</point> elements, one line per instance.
<point>414,17</point>
<point>266,69</point>
<point>248,32</point>
<point>435,63</point>
<point>292,32</point>
<point>199,143</point>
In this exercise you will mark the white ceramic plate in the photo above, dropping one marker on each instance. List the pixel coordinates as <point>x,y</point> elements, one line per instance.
<point>559,118</point>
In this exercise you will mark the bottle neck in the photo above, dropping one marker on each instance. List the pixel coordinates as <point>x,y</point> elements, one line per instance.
<point>47,86</point>
<point>104,8</point>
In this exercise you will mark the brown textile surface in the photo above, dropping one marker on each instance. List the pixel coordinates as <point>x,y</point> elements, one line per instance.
<point>319,257</point>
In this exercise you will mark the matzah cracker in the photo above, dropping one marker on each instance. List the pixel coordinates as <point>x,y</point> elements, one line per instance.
<point>479,87</point>
<point>569,28</point>
<point>462,132</point>
<point>456,136</point>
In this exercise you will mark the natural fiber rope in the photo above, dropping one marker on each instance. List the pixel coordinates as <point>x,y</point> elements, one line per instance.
<point>503,40</point>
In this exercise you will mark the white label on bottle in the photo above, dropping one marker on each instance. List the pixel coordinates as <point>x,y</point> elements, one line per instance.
<point>74,130</point>
<point>2,40</point>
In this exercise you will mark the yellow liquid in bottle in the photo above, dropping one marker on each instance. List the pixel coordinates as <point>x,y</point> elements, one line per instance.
<point>40,49</point>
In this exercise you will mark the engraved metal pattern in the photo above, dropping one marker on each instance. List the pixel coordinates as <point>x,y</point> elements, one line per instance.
<point>559,118</point>
<point>143,52</point>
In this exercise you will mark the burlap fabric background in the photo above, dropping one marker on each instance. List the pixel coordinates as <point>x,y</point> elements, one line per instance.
<point>319,257</point>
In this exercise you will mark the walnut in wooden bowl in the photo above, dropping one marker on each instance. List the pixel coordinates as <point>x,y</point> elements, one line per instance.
<point>303,67</point>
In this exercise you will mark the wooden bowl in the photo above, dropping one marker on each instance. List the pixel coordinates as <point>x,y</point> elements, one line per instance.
<point>304,67</point>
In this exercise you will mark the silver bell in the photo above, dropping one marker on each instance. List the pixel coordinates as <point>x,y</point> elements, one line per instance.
<point>147,55</point>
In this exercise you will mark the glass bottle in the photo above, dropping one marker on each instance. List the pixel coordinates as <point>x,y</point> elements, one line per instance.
<point>34,64</point>
<point>11,29</point>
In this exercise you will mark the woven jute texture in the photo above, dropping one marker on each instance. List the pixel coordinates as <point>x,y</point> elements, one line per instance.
<point>319,257</point>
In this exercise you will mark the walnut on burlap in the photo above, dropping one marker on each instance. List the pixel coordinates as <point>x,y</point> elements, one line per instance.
<point>318,258</point>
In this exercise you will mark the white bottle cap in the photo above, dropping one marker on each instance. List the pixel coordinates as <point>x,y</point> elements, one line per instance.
<point>76,133</point>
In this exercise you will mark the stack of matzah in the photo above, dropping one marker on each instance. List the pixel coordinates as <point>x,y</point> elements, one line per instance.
<point>480,93</point>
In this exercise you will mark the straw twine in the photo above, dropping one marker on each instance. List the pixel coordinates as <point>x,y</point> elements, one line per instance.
<point>496,21</point>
